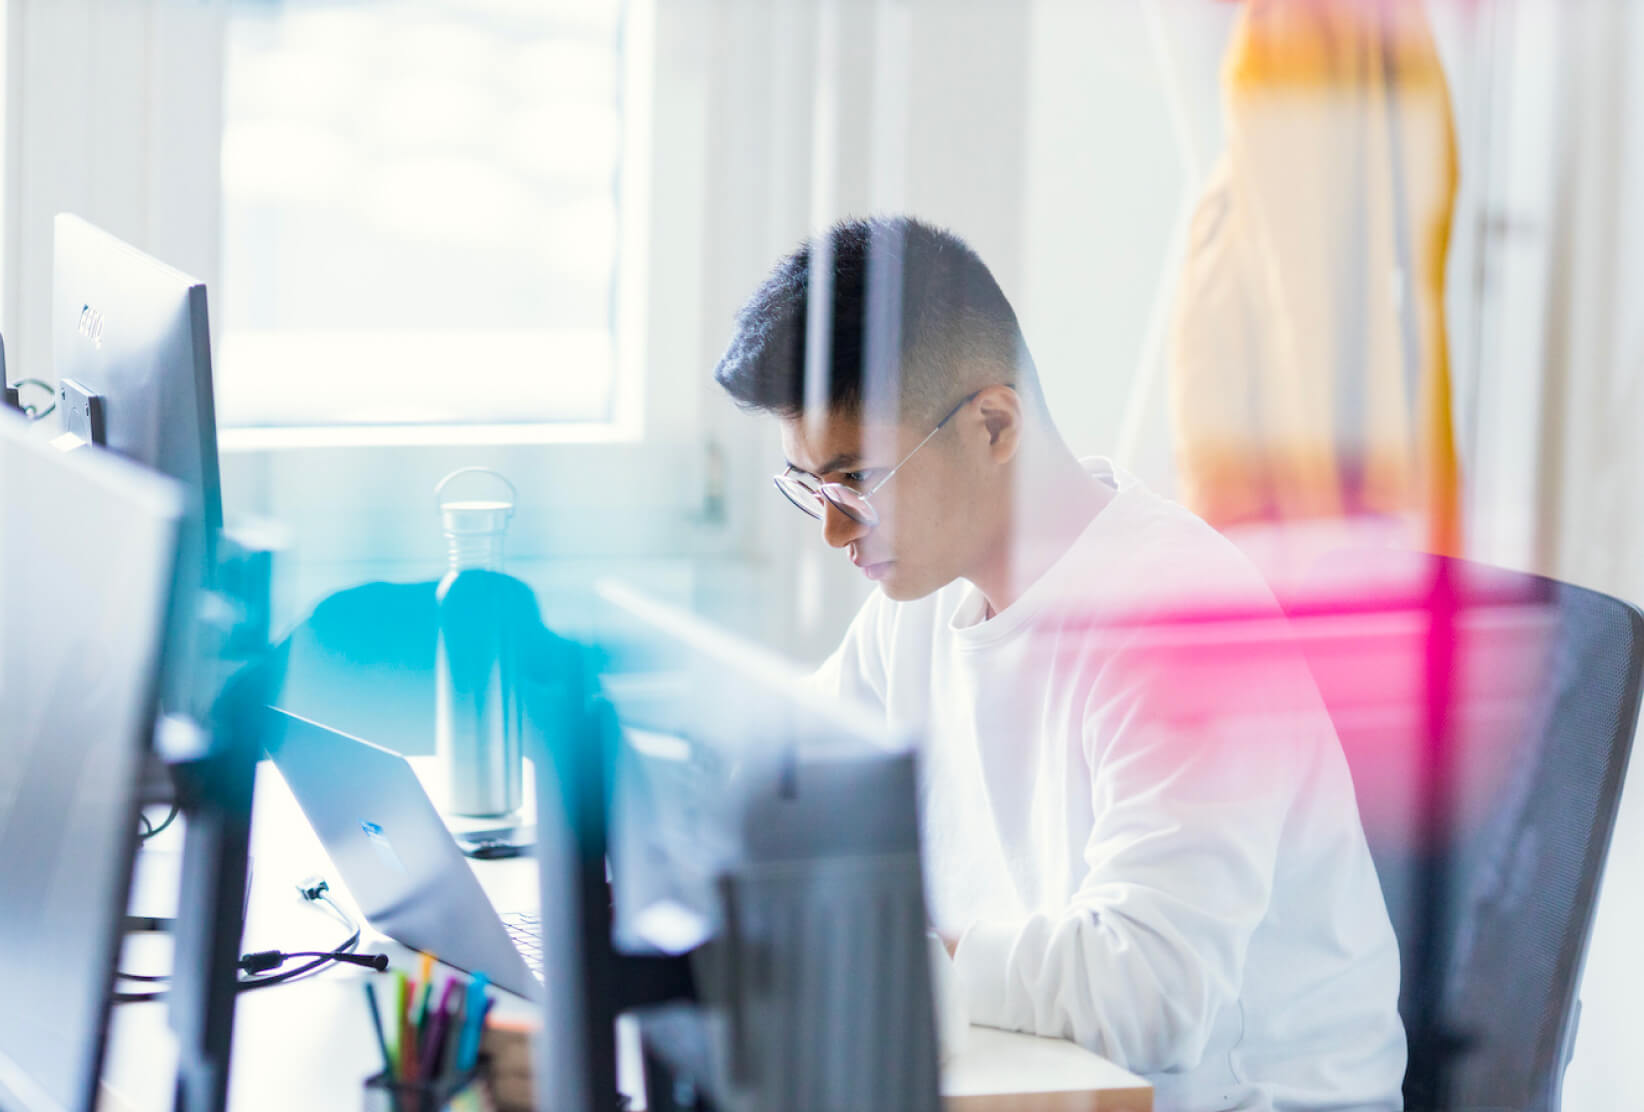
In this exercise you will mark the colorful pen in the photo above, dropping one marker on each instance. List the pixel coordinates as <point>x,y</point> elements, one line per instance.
<point>402,1023</point>
<point>473,1022</point>
<point>425,992</point>
<point>445,1062</point>
<point>382,1043</point>
<point>434,1034</point>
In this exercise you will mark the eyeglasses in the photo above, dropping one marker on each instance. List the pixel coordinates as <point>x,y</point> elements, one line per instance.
<point>813,497</point>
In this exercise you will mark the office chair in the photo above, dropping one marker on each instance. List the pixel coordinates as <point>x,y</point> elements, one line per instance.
<point>1543,687</point>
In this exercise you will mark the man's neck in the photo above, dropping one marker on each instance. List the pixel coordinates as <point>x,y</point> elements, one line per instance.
<point>1054,500</point>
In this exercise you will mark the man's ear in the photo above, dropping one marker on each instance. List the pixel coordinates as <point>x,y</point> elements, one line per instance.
<point>1000,408</point>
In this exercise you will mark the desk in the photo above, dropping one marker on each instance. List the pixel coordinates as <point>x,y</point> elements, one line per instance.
<point>1001,1071</point>
<point>309,1044</point>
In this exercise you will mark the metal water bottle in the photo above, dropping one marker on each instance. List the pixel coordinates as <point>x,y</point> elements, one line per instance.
<point>477,719</point>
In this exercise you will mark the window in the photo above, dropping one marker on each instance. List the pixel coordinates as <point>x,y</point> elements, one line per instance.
<point>420,216</point>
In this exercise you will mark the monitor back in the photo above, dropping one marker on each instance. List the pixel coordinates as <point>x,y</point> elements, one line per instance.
<point>135,331</point>
<point>779,828</point>
<point>88,545</point>
<point>727,756</point>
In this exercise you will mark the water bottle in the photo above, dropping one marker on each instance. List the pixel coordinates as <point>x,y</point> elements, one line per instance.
<point>478,724</point>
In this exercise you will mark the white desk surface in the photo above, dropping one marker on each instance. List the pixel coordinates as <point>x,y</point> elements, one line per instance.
<point>1004,1070</point>
<point>309,1044</point>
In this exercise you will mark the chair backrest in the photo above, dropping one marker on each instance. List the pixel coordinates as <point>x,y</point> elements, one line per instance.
<point>1543,688</point>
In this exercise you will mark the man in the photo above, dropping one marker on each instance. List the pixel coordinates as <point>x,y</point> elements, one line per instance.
<point>1135,840</point>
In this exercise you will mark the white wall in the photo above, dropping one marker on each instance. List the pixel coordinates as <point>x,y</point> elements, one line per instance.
<point>106,105</point>
<point>1123,124</point>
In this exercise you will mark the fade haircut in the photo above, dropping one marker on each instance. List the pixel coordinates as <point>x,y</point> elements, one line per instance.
<point>906,320</point>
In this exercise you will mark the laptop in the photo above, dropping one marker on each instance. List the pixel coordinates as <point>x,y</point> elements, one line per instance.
<point>395,854</point>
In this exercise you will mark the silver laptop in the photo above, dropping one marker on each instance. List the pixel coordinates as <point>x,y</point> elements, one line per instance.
<point>396,856</point>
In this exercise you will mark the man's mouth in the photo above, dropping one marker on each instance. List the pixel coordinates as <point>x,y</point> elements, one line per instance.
<point>877,571</point>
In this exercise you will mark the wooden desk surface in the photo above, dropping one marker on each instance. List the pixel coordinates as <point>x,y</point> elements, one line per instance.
<point>996,1071</point>
<point>310,1045</point>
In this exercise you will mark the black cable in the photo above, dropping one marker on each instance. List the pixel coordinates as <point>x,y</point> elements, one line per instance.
<point>153,978</point>
<point>345,950</point>
<point>264,960</point>
<point>313,891</point>
<point>151,829</point>
<point>34,413</point>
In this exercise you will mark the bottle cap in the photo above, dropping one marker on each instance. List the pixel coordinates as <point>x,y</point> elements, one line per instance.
<point>475,516</point>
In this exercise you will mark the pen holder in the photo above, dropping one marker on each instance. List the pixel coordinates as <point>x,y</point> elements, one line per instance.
<point>384,1093</point>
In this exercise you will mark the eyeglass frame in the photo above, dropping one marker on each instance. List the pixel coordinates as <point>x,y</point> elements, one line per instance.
<point>819,493</point>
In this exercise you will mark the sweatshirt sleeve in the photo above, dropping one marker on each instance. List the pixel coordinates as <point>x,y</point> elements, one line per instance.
<point>1191,780</point>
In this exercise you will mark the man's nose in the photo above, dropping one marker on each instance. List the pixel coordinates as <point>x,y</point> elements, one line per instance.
<point>839,528</point>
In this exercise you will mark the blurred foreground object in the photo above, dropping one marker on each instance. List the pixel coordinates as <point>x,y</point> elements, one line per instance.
<point>88,576</point>
<point>1308,356</point>
<point>769,835</point>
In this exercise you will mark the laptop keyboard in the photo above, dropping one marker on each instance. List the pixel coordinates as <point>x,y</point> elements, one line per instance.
<point>525,930</point>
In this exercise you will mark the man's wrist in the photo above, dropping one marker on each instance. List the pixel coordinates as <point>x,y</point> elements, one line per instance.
<point>981,959</point>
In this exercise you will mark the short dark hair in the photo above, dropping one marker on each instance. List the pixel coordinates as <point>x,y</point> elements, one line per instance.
<point>917,320</point>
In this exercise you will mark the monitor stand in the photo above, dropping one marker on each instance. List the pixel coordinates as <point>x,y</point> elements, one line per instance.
<point>83,416</point>
<point>8,392</point>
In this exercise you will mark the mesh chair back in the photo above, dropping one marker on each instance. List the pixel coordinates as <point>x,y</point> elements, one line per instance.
<point>1544,688</point>
<point>1520,947</point>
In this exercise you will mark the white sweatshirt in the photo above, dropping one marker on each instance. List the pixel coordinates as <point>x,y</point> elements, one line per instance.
<point>1146,844</point>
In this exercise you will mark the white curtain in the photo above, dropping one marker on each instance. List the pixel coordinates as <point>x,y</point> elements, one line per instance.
<point>1589,491</point>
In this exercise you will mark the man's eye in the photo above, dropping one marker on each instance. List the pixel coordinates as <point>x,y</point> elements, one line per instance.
<point>857,478</point>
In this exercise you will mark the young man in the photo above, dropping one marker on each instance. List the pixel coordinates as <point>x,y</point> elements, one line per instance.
<point>1134,841</point>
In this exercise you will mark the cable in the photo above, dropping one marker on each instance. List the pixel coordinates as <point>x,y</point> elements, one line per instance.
<point>269,959</point>
<point>34,413</point>
<point>314,891</point>
<point>152,978</point>
<point>150,829</point>
<point>264,960</point>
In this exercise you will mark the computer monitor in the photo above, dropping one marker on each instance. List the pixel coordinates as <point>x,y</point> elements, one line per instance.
<point>131,346</point>
<point>88,545</point>
<point>773,834</point>
<point>132,353</point>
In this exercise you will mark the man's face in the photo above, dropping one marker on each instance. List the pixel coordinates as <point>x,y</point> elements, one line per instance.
<point>930,525</point>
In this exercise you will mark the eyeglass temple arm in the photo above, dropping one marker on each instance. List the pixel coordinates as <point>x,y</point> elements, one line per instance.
<point>939,426</point>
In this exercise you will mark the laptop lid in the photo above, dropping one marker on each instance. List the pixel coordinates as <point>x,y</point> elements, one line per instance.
<point>392,849</point>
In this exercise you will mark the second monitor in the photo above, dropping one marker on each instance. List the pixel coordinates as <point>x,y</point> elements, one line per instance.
<point>131,349</point>
<point>772,833</point>
<point>132,352</point>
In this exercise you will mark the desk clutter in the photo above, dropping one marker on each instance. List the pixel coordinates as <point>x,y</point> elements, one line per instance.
<point>430,1043</point>
<point>450,1057</point>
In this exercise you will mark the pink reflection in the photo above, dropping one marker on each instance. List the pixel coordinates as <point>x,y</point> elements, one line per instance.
<point>1421,686</point>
